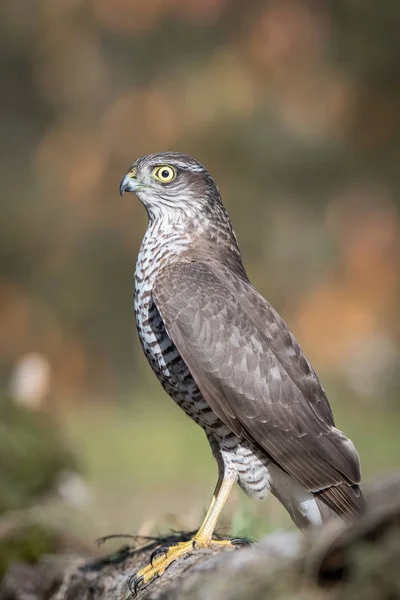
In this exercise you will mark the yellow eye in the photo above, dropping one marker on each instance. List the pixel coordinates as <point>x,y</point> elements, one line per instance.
<point>165,174</point>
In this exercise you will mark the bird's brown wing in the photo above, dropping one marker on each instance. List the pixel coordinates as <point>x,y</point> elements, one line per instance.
<point>253,374</point>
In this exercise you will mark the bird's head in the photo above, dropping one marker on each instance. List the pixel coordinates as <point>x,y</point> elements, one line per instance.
<point>172,185</point>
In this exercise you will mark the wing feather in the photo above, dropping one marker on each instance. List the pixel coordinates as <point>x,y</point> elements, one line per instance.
<point>252,372</point>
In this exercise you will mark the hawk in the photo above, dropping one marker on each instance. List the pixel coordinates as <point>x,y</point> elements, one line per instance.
<point>228,359</point>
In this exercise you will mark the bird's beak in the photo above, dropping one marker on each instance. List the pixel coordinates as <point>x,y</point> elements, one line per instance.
<point>129,184</point>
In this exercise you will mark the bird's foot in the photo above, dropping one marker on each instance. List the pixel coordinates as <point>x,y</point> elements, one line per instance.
<point>164,556</point>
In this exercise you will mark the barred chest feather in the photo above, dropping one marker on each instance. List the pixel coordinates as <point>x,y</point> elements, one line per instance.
<point>160,245</point>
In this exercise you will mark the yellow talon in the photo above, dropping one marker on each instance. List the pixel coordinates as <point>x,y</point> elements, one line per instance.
<point>162,558</point>
<point>158,566</point>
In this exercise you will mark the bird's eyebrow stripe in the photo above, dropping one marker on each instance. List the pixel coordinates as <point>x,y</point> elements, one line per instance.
<point>181,165</point>
<point>194,168</point>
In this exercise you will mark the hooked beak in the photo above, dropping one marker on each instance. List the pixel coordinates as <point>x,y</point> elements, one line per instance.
<point>129,184</point>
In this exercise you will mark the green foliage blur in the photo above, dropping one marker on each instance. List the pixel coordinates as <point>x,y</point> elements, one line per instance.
<point>294,107</point>
<point>33,456</point>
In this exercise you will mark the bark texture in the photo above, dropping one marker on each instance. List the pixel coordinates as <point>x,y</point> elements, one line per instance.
<point>339,561</point>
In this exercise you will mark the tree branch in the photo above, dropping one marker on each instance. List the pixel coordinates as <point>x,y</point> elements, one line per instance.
<point>340,560</point>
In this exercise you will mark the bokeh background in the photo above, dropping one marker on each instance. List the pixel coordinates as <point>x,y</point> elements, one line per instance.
<point>294,107</point>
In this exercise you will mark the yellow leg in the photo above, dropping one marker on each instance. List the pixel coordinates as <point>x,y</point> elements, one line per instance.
<point>220,496</point>
<point>202,539</point>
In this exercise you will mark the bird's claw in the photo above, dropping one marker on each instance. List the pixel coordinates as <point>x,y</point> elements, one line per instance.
<point>240,542</point>
<point>162,558</point>
<point>134,584</point>
<point>158,552</point>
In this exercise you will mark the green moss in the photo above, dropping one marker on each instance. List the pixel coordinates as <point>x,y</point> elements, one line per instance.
<point>27,543</point>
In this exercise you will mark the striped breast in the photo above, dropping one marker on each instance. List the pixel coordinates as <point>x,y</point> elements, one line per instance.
<point>232,453</point>
<point>158,246</point>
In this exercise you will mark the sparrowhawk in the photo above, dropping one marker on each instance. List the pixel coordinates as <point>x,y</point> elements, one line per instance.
<point>229,360</point>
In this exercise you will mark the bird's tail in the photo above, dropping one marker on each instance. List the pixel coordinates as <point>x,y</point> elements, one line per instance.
<point>342,500</point>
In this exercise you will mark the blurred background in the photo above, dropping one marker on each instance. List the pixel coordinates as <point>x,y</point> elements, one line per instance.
<point>294,107</point>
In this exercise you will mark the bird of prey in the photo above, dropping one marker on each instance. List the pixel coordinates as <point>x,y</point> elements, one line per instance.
<point>229,360</point>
